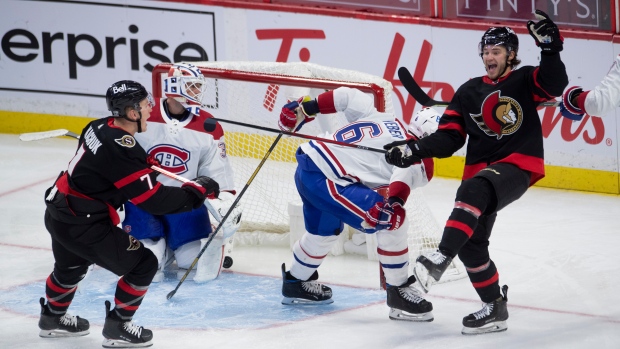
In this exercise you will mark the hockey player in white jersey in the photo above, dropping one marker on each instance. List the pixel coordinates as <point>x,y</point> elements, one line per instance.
<point>339,185</point>
<point>176,138</point>
<point>604,98</point>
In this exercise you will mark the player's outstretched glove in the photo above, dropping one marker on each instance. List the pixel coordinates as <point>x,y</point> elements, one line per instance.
<point>204,187</point>
<point>294,113</point>
<point>400,153</point>
<point>546,33</point>
<point>222,205</point>
<point>388,215</point>
<point>567,108</point>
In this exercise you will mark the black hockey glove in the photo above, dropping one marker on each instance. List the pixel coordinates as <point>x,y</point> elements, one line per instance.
<point>546,33</point>
<point>400,153</point>
<point>204,187</point>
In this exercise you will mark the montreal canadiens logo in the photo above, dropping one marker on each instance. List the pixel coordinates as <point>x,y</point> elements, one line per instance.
<point>499,115</point>
<point>171,158</point>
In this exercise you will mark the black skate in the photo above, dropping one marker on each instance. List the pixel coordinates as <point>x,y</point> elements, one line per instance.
<point>406,303</point>
<point>296,291</point>
<point>491,318</point>
<point>429,269</point>
<point>124,334</point>
<point>53,326</point>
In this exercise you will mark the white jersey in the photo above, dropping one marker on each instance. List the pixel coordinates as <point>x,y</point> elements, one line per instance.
<point>186,149</point>
<point>605,97</point>
<point>367,127</point>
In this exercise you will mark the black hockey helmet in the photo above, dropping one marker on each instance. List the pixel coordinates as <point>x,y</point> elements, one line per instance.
<point>123,94</point>
<point>499,36</point>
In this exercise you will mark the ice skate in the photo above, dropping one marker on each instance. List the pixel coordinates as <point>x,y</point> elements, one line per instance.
<point>429,269</point>
<point>491,318</point>
<point>296,291</point>
<point>124,334</point>
<point>406,303</point>
<point>53,326</point>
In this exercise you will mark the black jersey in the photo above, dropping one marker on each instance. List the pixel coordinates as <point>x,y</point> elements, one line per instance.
<point>500,119</point>
<point>108,169</point>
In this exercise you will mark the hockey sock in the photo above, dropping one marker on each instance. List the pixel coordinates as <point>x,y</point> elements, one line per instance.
<point>127,298</point>
<point>485,280</point>
<point>59,295</point>
<point>309,253</point>
<point>393,252</point>
<point>472,199</point>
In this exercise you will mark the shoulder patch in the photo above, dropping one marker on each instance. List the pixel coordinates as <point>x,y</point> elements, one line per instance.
<point>126,141</point>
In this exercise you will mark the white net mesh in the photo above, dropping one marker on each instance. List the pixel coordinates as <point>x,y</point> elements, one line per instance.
<point>254,93</point>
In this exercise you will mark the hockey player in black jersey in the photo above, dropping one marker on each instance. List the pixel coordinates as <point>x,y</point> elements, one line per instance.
<point>109,168</point>
<point>496,114</point>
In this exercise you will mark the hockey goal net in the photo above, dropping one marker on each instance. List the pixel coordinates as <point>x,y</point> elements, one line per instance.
<point>254,93</point>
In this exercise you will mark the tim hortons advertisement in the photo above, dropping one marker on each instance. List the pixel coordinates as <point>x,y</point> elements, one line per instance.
<point>72,51</point>
<point>76,55</point>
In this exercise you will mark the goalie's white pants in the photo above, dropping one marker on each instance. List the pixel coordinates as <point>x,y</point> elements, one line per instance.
<point>308,254</point>
<point>393,251</point>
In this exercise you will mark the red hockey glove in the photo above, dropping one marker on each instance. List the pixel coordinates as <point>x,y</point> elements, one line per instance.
<point>567,108</point>
<point>388,215</point>
<point>203,187</point>
<point>292,113</point>
<point>546,33</point>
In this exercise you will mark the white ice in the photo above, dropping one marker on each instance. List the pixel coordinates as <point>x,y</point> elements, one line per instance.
<point>557,251</point>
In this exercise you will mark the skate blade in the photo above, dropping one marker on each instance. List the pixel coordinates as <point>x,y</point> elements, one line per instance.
<point>61,333</point>
<point>498,326</point>
<point>399,315</point>
<point>425,281</point>
<point>119,343</point>
<point>301,301</point>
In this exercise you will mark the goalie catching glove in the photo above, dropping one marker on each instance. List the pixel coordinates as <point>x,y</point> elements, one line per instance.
<point>221,205</point>
<point>388,215</point>
<point>297,112</point>
<point>546,33</point>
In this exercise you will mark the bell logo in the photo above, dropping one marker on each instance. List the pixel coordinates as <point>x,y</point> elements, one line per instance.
<point>119,89</point>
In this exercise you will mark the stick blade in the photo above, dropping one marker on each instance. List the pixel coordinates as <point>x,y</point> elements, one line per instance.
<point>35,136</point>
<point>171,294</point>
<point>415,90</point>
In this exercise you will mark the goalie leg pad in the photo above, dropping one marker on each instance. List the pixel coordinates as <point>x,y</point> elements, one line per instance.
<point>210,263</point>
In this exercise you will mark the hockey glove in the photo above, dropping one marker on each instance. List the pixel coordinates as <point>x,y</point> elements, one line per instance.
<point>388,215</point>
<point>546,33</point>
<point>203,187</point>
<point>293,113</point>
<point>567,108</point>
<point>399,153</point>
<point>221,205</point>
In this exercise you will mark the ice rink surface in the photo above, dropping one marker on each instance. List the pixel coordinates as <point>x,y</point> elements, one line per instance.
<point>556,250</point>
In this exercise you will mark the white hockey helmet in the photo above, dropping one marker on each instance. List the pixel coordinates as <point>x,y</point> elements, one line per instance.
<point>424,123</point>
<point>186,84</point>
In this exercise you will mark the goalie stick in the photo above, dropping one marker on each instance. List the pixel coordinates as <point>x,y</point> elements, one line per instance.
<point>36,136</point>
<point>423,98</point>
<point>209,126</point>
<point>299,135</point>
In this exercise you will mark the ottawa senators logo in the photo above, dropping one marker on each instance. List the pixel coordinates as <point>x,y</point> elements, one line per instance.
<point>134,244</point>
<point>126,141</point>
<point>499,115</point>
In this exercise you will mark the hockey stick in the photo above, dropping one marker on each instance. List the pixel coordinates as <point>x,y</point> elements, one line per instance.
<point>325,140</point>
<point>423,98</point>
<point>36,136</point>
<point>209,126</point>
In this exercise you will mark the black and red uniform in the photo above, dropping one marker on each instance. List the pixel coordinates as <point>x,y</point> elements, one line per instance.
<point>505,156</point>
<point>108,169</point>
